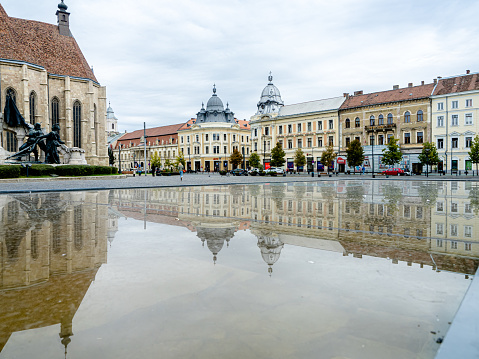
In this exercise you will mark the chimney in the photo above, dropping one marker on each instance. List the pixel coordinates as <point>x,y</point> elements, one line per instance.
<point>435,81</point>
<point>468,72</point>
<point>358,93</point>
<point>396,87</point>
<point>422,82</point>
<point>63,20</point>
<point>409,84</point>
<point>346,95</point>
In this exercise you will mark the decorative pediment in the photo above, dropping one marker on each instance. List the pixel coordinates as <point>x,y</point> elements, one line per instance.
<point>454,134</point>
<point>469,133</point>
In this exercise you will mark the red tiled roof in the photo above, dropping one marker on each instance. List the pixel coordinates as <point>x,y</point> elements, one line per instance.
<point>376,98</point>
<point>457,84</point>
<point>41,44</point>
<point>153,132</point>
<point>187,124</point>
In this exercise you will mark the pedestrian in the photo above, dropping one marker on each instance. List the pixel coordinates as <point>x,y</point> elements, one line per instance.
<point>181,175</point>
<point>363,169</point>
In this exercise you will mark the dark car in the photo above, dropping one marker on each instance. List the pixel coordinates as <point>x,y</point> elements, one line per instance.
<point>239,172</point>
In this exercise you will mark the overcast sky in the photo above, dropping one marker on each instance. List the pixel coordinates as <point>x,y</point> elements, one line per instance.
<point>159,59</point>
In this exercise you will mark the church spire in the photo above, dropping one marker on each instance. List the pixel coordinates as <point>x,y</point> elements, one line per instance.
<point>63,19</point>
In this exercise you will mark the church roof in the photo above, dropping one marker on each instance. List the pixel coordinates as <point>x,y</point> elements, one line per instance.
<point>41,44</point>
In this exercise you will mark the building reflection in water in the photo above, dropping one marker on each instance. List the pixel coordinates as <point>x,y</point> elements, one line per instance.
<point>429,223</point>
<point>52,246</point>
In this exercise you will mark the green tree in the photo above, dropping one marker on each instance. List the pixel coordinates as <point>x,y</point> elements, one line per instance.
<point>254,160</point>
<point>180,161</point>
<point>155,160</point>
<point>392,153</point>
<point>277,156</point>
<point>355,154</point>
<point>168,164</point>
<point>111,156</point>
<point>429,155</point>
<point>328,156</point>
<point>474,152</point>
<point>474,198</point>
<point>299,158</point>
<point>236,158</point>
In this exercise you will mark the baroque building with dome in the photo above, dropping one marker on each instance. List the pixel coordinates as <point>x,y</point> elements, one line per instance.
<point>45,79</point>
<point>208,141</point>
<point>310,126</point>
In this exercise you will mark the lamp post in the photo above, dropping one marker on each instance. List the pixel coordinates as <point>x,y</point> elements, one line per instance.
<point>264,154</point>
<point>372,154</point>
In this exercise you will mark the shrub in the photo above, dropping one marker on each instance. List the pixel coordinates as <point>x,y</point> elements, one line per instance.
<point>223,173</point>
<point>104,170</point>
<point>38,170</point>
<point>262,173</point>
<point>7,171</point>
<point>75,170</point>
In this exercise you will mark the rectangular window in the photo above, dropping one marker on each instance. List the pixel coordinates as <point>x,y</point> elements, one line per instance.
<point>331,124</point>
<point>467,208</point>
<point>181,139</point>
<point>440,106</point>
<point>331,142</point>
<point>206,137</point>
<point>454,120</point>
<point>310,142</point>
<point>407,211</point>
<point>224,137</point>
<point>300,143</point>
<point>320,125</point>
<point>440,143</point>
<point>438,242</point>
<point>440,121</point>
<point>380,140</point>
<point>266,131</point>
<point>454,230</point>
<point>348,141</point>
<point>371,140</point>
<point>439,228</point>
<point>469,103</point>
<point>280,130</point>
<point>467,246</point>
<point>299,127</point>
<point>454,104</point>
<point>255,132</point>
<point>320,142</point>
<point>419,212</point>
<point>309,127</point>
<point>468,231</point>
<point>468,119</point>
<point>420,137</point>
<point>453,207</point>
<point>453,245</point>
<point>197,138</point>
<point>207,149</point>
<point>225,148</point>
<point>290,128</point>
<point>407,138</point>
<point>454,142</point>
<point>290,144</point>
<point>468,142</point>
<point>187,139</point>
<point>440,206</point>
<point>234,137</point>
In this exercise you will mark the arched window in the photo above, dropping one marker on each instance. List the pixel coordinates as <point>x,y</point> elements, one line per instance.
<point>32,107</point>
<point>380,120</point>
<point>407,117</point>
<point>77,124</point>
<point>11,93</point>
<point>372,121</point>
<point>390,118</point>
<point>348,123</point>
<point>55,111</point>
<point>357,122</point>
<point>420,116</point>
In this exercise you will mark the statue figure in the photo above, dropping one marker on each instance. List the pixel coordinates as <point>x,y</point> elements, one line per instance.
<point>35,136</point>
<point>52,142</point>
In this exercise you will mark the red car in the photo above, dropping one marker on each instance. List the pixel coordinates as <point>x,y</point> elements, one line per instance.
<point>394,172</point>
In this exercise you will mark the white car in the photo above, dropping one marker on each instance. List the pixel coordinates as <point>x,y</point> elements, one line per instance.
<point>253,170</point>
<point>278,170</point>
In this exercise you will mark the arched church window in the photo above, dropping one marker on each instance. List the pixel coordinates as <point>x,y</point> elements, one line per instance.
<point>390,118</point>
<point>348,123</point>
<point>372,121</point>
<point>357,122</point>
<point>407,117</point>
<point>380,120</point>
<point>32,100</point>
<point>55,111</point>
<point>77,124</point>
<point>420,116</point>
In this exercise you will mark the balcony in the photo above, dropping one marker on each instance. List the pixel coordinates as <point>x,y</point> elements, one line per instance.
<point>377,128</point>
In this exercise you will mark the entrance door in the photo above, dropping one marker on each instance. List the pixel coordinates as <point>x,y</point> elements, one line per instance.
<point>207,166</point>
<point>198,166</point>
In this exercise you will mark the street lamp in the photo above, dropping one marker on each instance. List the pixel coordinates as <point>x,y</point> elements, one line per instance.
<point>372,154</point>
<point>119,158</point>
<point>427,150</point>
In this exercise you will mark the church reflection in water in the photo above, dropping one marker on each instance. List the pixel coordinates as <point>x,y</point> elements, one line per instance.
<point>52,245</point>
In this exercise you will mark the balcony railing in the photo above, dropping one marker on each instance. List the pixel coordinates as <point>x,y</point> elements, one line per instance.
<point>389,126</point>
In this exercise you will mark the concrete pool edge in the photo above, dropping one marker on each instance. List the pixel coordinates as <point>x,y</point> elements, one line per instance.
<point>461,340</point>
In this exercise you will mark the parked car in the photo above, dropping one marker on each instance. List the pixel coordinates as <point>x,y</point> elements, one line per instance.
<point>239,172</point>
<point>278,170</point>
<point>253,169</point>
<point>394,172</point>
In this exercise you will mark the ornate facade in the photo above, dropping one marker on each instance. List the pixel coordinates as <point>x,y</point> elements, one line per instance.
<point>52,84</point>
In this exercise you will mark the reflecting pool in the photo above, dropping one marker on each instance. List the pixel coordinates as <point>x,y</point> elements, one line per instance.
<point>345,269</point>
